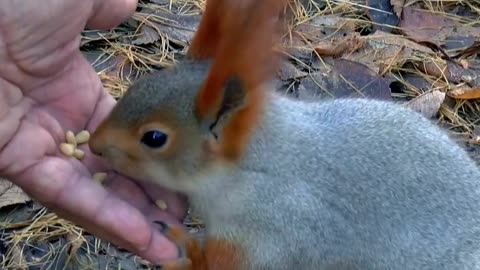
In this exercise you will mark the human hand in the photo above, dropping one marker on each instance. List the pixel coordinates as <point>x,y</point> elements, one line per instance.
<point>46,88</point>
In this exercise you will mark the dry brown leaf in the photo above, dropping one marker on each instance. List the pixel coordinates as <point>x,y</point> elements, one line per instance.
<point>177,28</point>
<point>11,194</point>
<point>473,49</point>
<point>397,7</point>
<point>450,72</point>
<point>89,36</point>
<point>322,28</point>
<point>428,103</point>
<point>464,92</point>
<point>344,78</point>
<point>385,51</point>
<point>350,44</point>
<point>423,25</point>
<point>382,14</point>
<point>147,35</point>
<point>318,31</point>
<point>436,68</point>
<point>289,71</point>
<point>118,65</point>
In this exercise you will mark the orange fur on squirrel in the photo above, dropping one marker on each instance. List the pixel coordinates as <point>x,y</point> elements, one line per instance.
<point>248,30</point>
<point>222,254</point>
<point>204,44</point>
<point>217,254</point>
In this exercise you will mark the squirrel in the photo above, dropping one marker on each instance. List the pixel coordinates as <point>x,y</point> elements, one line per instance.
<point>348,183</point>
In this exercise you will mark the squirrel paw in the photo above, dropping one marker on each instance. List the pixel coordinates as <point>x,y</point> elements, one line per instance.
<point>190,252</point>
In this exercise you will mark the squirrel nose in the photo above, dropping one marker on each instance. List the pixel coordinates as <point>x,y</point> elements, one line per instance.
<point>96,152</point>
<point>95,144</point>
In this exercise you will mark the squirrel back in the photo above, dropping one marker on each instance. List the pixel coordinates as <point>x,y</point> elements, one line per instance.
<point>363,184</point>
<point>286,184</point>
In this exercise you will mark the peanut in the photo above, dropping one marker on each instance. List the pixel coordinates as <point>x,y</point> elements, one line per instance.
<point>67,149</point>
<point>161,204</point>
<point>70,138</point>
<point>79,154</point>
<point>82,137</point>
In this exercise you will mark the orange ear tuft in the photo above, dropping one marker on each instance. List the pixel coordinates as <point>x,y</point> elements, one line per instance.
<point>249,30</point>
<point>205,41</point>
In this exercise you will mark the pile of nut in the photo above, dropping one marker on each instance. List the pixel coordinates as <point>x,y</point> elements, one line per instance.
<point>69,148</point>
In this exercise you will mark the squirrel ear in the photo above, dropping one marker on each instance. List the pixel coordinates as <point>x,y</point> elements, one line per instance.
<point>207,37</point>
<point>239,110</point>
<point>233,99</point>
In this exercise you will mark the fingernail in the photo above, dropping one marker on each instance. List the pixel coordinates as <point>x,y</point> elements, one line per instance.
<point>163,225</point>
<point>161,249</point>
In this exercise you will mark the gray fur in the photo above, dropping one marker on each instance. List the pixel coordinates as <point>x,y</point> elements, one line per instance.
<point>359,184</point>
<point>161,91</point>
<point>339,184</point>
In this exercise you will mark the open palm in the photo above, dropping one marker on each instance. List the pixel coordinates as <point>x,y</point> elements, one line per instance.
<point>47,88</point>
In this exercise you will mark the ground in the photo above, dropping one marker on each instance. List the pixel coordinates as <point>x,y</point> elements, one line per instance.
<point>422,53</point>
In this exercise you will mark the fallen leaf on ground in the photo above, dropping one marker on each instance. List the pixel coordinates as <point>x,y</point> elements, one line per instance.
<point>114,65</point>
<point>452,72</point>
<point>147,35</point>
<point>397,7</point>
<point>351,43</point>
<point>177,28</point>
<point>422,25</point>
<point>464,92</point>
<point>344,78</point>
<point>11,194</point>
<point>382,14</point>
<point>320,29</point>
<point>428,103</point>
<point>416,83</point>
<point>473,49</point>
<point>323,27</point>
<point>89,36</point>
<point>384,51</point>
<point>289,71</point>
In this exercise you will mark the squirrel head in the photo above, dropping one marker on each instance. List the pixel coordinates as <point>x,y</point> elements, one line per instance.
<point>181,123</point>
<point>153,131</point>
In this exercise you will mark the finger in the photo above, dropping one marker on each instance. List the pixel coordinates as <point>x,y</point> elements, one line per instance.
<point>57,184</point>
<point>176,203</point>
<point>109,13</point>
<point>141,195</point>
<point>104,105</point>
<point>151,253</point>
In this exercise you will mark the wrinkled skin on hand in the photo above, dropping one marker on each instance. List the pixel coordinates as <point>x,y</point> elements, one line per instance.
<point>47,88</point>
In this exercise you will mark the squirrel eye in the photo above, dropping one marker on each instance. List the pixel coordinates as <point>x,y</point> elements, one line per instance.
<point>154,138</point>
